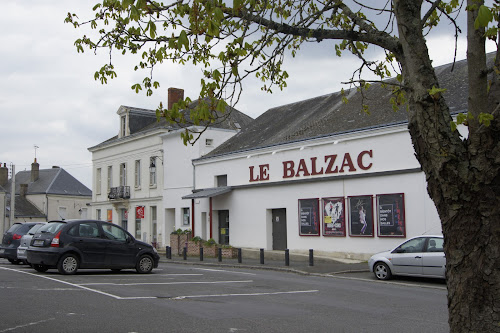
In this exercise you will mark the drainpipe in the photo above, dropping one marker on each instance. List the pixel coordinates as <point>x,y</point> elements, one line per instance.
<point>13,197</point>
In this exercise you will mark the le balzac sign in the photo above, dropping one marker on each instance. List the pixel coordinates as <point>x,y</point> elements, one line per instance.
<point>329,164</point>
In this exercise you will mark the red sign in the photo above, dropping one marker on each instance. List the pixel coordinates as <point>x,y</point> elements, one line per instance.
<point>139,212</point>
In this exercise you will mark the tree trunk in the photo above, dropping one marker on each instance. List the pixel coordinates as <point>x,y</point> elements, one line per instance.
<point>463,181</point>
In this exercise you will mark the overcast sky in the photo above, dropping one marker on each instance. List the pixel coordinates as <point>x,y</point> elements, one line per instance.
<point>49,98</point>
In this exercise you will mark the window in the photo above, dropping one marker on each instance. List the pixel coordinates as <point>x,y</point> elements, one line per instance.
<point>154,223</point>
<point>62,213</point>
<point>435,245</point>
<point>152,171</point>
<point>115,233</point>
<point>123,126</point>
<point>415,245</point>
<point>137,173</point>
<point>123,174</point>
<point>98,214</point>
<point>185,216</point>
<point>109,216</point>
<point>98,181</point>
<point>110,177</point>
<point>209,142</point>
<point>221,180</point>
<point>124,218</point>
<point>87,229</point>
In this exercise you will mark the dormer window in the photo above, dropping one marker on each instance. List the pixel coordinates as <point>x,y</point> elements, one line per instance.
<point>209,142</point>
<point>123,126</point>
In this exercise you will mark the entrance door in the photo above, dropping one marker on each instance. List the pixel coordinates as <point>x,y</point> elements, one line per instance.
<point>279,229</point>
<point>224,227</point>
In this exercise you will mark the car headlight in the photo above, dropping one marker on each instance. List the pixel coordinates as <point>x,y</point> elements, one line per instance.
<point>155,250</point>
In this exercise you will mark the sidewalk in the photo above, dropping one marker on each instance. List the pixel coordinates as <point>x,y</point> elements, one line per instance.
<point>275,260</point>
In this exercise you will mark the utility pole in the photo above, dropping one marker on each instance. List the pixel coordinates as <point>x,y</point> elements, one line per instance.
<point>12,214</point>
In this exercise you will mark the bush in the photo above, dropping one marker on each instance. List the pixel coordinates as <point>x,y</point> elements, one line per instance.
<point>210,242</point>
<point>196,239</point>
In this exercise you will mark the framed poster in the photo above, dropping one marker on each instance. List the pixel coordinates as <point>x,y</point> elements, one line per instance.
<point>333,216</point>
<point>309,217</point>
<point>361,216</point>
<point>391,215</point>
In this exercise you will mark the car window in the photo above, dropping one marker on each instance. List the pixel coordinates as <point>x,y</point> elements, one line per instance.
<point>34,229</point>
<point>87,229</point>
<point>412,246</point>
<point>23,229</point>
<point>114,232</point>
<point>51,227</point>
<point>14,227</point>
<point>435,244</point>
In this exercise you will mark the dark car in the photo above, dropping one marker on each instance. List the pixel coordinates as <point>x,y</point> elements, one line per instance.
<point>73,244</point>
<point>11,240</point>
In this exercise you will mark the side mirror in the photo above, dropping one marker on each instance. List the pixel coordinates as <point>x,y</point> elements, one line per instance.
<point>399,250</point>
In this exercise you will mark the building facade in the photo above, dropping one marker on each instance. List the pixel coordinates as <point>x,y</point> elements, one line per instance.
<point>140,175</point>
<point>44,194</point>
<point>322,174</point>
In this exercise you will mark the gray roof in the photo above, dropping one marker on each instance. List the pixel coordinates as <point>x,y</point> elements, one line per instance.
<point>24,208</point>
<point>327,115</point>
<point>143,120</point>
<point>51,181</point>
<point>208,192</point>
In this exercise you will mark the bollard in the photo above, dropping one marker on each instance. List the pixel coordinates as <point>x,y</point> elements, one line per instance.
<point>201,254</point>
<point>311,257</point>
<point>287,257</point>
<point>166,252</point>
<point>239,256</point>
<point>184,253</point>
<point>220,254</point>
<point>262,256</point>
<point>169,252</point>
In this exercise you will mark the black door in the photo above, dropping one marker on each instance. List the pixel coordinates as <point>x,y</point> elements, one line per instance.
<point>121,249</point>
<point>86,238</point>
<point>224,227</point>
<point>279,229</point>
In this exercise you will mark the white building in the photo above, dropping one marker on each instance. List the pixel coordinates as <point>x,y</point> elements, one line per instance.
<point>321,174</point>
<point>140,175</point>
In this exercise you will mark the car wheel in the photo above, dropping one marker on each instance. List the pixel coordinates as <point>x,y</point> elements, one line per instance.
<point>382,271</point>
<point>68,264</point>
<point>144,264</point>
<point>40,268</point>
<point>14,261</point>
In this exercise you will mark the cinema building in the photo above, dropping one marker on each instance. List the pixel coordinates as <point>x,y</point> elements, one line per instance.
<point>320,174</point>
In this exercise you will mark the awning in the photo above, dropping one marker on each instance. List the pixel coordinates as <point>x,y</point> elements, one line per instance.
<point>208,192</point>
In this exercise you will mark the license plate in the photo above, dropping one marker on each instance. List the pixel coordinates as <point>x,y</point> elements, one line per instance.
<point>38,243</point>
<point>21,252</point>
<point>2,251</point>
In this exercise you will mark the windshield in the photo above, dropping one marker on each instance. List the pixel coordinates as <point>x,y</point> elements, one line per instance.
<point>51,227</point>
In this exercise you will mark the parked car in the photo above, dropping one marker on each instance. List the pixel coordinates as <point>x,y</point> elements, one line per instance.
<point>418,256</point>
<point>25,242</point>
<point>74,244</point>
<point>11,240</point>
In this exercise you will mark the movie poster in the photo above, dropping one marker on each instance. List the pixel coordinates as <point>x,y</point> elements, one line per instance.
<point>333,217</point>
<point>309,217</point>
<point>361,216</point>
<point>391,215</point>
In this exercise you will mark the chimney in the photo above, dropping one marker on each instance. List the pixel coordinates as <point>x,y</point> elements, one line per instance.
<point>35,171</point>
<point>174,95</point>
<point>23,189</point>
<point>4,174</point>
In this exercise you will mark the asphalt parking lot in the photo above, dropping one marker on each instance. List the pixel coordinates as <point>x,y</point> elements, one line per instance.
<point>188,297</point>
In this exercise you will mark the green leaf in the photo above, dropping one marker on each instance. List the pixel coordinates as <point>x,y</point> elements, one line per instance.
<point>484,16</point>
<point>183,41</point>
<point>485,118</point>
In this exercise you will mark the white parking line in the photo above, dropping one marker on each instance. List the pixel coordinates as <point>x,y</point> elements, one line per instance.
<point>74,285</point>
<point>162,283</point>
<point>252,294</point>
<point>224,271</point>
<point>26,325</point>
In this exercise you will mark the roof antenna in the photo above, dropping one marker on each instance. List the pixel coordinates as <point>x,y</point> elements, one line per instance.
<point>36,147</point>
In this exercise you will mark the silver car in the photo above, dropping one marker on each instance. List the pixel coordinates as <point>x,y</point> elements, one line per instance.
<point>418,256</point>
<point>25,242</point>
